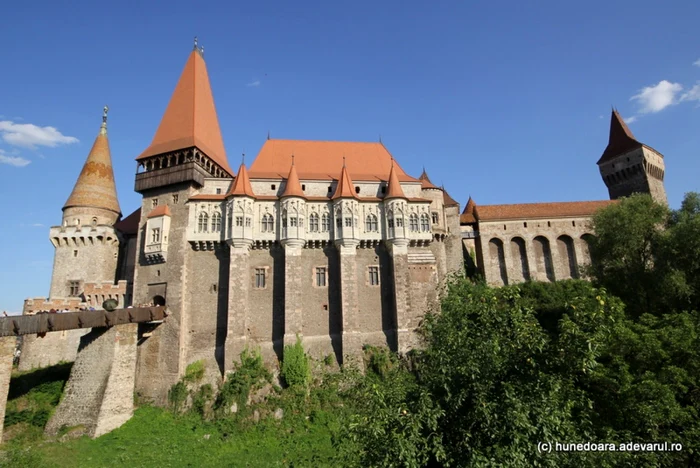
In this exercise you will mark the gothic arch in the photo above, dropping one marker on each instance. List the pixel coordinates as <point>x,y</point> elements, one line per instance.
<point>498,259</point>
<point>543,257</point>
<point>518,253</point>
<point>567,256</point>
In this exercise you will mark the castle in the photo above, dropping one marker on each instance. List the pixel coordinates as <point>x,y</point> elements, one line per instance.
<point>329,241</point>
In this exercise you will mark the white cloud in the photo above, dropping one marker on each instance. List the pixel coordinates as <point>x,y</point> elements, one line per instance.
<point>630,120</point>
<point>693,93</point>
<point>697,63</point>
<point>13,160</point>
<point>31,136</point>
<point>658,97</point>
<point>255,83</point>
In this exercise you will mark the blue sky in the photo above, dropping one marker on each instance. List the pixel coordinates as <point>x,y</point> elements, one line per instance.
<point>505,101</point>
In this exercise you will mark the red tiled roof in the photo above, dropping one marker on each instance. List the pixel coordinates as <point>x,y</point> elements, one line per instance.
<point>447,200</point>
<point>539,210</point>
<point>160,210</point>
<point>621,139</point>
<point>425,181</point>
<point>467,216</point>
<point>95,187</point>
<point>241,185</point>
<point>129,225</point>
<point>394,189</point>
<point>345,187</point>
<point>293,187</point>
<point>190,118</point>
<point>320,160</point>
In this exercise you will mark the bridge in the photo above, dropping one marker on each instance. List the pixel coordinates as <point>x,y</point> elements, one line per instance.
<point>99,392</point>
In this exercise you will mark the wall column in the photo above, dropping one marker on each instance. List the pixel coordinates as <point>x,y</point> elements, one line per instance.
<point>350,308</point>
<point>238,309</point>
<point>7,353</point>
<point>535,274</point>
<point>293,290</point>
<point>398,249</point>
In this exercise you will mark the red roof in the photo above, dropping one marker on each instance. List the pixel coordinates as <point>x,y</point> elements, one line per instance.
<point>345,188</point>
<point>129,225</point>
<point>621,139</point>
<point>447,200</point>
<point>539,210</point>
<point>425,181</point>
<point>394,189</point>
<point>241,185</point>
<point>467,216</point>
<point>160,210</point>
<point>293,187</point>
<point>190,118</point>
<point>320,160</point>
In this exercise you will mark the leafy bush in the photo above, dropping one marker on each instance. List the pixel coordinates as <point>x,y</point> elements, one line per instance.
<point>379,360</point>
<point>177,396</point>
<point>202,399</point>
<point>249,374</point>
<point>296,369</point>
<point>194,372</point>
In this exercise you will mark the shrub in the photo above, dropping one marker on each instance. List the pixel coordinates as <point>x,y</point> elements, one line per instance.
<point>249,374</point>
<point>177,396</point>
<point>201,400</point>
<point>296,369</point>
<point>379,360</point>
<point>194,372</point>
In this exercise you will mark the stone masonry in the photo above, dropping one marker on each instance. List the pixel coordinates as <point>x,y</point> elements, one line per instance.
<point>99,394</point>
<point>7,350</point>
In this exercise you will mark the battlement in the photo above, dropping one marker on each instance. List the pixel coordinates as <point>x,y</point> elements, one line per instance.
<point>82,235</point>
<point>94,293</point>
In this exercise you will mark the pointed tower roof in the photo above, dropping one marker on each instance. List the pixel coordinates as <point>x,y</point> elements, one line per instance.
<point>190,119</point>
<point>394,189</point>
<point>467,215</point>
<point>447,200</point>
<point>241,185</point>
<point>425,181</point>
<point>293,187</point>
<point>621,139</point>
<point>345,188</point>
<point>95,187</point>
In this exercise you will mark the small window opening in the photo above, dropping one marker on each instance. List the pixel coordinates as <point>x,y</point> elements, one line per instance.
<point>303,186</point>
<point>549,224</point>
<point>157,272</point>
<point>154,202</point>
<point>175,198</point>
<point>383,190</point>
<point>273,187</point>
<point>218,191</point>
<point>524,224</point>
<point>357,189</point>
<point>504,227</point>
<point>329,189</point>
<point>573,223</point>
<point>214,287</point>
<point>75,253</point>
<point>158,301</point>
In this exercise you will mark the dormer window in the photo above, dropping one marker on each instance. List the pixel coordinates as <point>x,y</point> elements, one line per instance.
<point>218,191</point>
<point>357,189</point>
<point>303,187</point>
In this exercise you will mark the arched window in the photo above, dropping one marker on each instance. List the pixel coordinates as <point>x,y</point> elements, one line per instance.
<point>390,222</point>
<point>94,221</point>
<point>413,222</point>
<point>313,222</point>
<point>230,223</point>
<point>325,222</point>
<point>268,223</point>
<point>203,225</point>
<point>371,223</point>
<point>284,223</point>
<point>216,222</point>
<point>424,223</point>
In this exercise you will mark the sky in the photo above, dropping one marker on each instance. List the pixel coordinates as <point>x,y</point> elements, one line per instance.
<point>506,101</point>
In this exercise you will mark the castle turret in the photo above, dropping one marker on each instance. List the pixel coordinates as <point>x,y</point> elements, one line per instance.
<point>628,166</point>
<point>395,203</point>
<point>239,209</point>
<point>293,210</point>
<point>346,210</point>
<point>87,244</point>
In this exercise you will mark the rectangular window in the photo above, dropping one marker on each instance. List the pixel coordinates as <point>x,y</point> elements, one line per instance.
<point>239,221</point>
<point>399,222</point>
<point>391,223</point>
<point>373,276</point>
<point>155,235</point>
<point>259,278</point>
<point>348,222</point>
<point>339,222</point>
<point>248,221</point>
<point>218,191</point>
<point>75,253</point>
<point>321,277</point>
<point>435,218</point>
<point>74,288</point>
<point>154,202</point>
<point>293,221</point>
<point>176,197</point>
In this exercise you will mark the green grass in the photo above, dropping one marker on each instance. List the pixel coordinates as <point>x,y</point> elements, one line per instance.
<point>161,438</point>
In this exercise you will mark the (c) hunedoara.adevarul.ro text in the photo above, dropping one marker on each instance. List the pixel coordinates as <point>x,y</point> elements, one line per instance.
<point>549,447</point>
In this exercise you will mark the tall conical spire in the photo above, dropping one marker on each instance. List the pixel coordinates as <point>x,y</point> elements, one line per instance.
<point>621,139</point>
<point>469,213</point>
<point>394,189</point>
<point>425,181</point>
<point>242,186</point>
<point>293,187</point>
<point>190,119</point>
<point>345,188</point>
<point>95,187</point>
